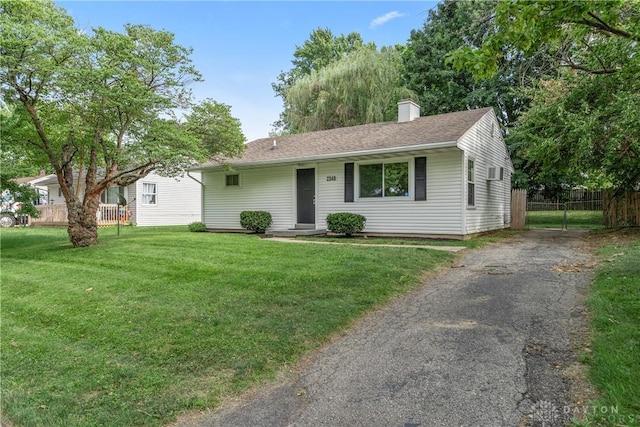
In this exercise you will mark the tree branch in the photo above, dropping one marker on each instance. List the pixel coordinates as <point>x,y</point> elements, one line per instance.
<point>599,24</point>
<point>575,66</point>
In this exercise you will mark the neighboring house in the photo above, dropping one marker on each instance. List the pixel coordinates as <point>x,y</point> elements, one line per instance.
<point>446,176</point>
<point>36,182</point>
<point>153,200</point>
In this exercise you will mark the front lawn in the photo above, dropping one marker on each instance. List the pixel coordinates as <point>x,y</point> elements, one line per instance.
<point>575,219</point>
<point>615,325</point>
<point>485,238</point>
<point>157,321</point>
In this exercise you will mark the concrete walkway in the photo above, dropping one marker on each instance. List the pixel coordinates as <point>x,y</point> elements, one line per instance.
<point>487,343</point>
<point>318,242</point>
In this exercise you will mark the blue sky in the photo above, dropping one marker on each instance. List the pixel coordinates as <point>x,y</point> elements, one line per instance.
<point>240,47</point>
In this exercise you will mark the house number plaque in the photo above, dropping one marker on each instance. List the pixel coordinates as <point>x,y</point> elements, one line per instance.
<point>332,178</point>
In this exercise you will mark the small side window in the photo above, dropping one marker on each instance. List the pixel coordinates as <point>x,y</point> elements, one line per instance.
<point>149,192</point>
<point>232,180</point>
<point>471,185</point>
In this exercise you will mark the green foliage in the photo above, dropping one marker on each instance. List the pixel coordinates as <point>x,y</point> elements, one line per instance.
<point>256,221</point>
<point>345,223</point>
<point>363,87</point>
<point>321,49</point>
<point>583,122</point>
<point>439,87</point>
<point>218,130</point>
<point>442,88</point>
<point>555,219</point>
<point>587,128</point>
<point>101,102</point>
<point>24,194</point>
<point>197,227</point>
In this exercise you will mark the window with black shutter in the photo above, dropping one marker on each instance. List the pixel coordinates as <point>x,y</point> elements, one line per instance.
<point>421,178</point>
<point>348,182</point>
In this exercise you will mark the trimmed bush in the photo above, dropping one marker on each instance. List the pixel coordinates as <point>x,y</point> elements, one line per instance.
<point>197,227</point>
<point>345,223</point>
<point>257,221</point>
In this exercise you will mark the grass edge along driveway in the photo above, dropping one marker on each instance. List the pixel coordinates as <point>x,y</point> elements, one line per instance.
<point>158,321</point>
<point>614,357</point>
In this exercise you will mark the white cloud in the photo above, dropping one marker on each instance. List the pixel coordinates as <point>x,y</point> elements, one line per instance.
<point>380,20</point>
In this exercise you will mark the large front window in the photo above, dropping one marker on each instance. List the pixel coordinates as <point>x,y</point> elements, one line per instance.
<point>384,180</point>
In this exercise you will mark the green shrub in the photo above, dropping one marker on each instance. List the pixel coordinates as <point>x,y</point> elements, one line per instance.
<point>257,221</point>
<point>197,227</point>
<point>345,223</point>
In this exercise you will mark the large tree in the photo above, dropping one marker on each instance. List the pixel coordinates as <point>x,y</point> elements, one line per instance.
<point>585,123</point>
<point>99,103</point>
<point>363,87</point>
<point>320,50</point>
<point>439,86</point>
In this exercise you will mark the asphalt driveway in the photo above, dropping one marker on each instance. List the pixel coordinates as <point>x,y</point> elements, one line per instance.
<point>486,343</point>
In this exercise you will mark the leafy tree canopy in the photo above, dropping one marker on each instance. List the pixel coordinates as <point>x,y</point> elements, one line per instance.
<point>585,122</point>
<point>101,103</point>
<point>441,88</point>
<point>320,50</point>
<point>363,87</point>
<point>24,194</point>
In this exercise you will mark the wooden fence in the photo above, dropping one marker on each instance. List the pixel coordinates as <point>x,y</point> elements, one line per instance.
<point>573,200</point>
<point>107,214</point>
<point>622,210</point>
<point>518,209</point>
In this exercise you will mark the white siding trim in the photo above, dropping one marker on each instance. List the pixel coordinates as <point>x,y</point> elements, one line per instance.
<point>492,198</point>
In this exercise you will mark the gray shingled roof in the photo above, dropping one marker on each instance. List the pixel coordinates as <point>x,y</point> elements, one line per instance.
<point>441,128</point>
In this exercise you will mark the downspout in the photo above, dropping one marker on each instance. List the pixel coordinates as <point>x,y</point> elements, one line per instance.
<point>201,195</point>
<point>464,196</point>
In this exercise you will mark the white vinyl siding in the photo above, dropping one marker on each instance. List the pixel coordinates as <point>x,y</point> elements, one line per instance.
<point>178,201</point>
<point>492,198</point>
<point>273,189</point>
<point>269,189</point>
<point>55,195</point>
<point>441,214</point>
<point>444,213</point>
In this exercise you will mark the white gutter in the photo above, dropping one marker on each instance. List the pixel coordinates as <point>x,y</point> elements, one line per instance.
<point>304,159</point>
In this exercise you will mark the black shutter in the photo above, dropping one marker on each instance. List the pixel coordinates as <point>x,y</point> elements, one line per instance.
<point>421,178</point>
<point>348,182</point>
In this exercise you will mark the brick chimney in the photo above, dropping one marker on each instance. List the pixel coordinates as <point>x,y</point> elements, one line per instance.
<point>408,111</point>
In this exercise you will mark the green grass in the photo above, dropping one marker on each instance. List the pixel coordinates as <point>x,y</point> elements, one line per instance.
<point>615,324</point>
<point>159,320</point>
<point>477,242</point>
<point>554,219</point>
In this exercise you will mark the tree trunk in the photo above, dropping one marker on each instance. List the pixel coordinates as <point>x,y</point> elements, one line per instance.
<point>83,223</point>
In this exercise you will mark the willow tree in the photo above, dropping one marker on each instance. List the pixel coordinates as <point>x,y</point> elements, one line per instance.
<point>321,49</point>
<point>99,104</point>
<point>363,87</point>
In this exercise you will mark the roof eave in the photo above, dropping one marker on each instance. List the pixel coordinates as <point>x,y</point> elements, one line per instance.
<point>305,159</point>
